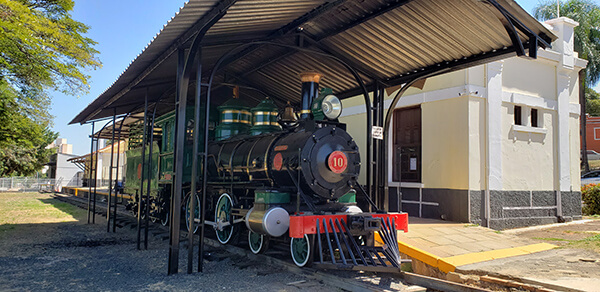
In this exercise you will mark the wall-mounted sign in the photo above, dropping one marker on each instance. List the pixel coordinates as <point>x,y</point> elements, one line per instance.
<point>377,132</point>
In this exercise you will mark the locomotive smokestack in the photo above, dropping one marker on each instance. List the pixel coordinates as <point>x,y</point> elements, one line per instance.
<point>310,90</point>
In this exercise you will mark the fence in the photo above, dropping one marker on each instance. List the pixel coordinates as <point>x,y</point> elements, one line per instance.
<point>29,184</point>
<point>26,184</point>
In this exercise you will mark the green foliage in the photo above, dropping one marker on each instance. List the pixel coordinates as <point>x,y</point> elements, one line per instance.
<point>587,34</point>
<point>23,136</point>
<point>592,102</point>
<point>590,194</point>
<point>41,48</point>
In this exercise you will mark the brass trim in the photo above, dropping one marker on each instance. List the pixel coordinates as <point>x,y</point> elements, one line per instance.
<point>305,111</point>
<point>266,113</point>
<point>266,124</point>
<point>236,121</point>
<point>236,112</point>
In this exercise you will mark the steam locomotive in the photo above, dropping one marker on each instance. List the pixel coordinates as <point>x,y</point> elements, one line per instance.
<point>272,175</point>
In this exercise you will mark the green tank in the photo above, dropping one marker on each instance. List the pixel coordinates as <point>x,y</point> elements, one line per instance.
<point>264,118</point>
<point>234,119</point>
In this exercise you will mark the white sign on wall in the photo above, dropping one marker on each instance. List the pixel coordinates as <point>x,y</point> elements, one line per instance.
<point>377,132</point>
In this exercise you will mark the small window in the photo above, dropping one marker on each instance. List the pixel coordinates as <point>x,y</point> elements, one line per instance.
<point>518,115</point>
<point>534,117</point>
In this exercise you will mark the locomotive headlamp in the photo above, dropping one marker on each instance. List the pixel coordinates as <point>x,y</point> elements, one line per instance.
<point>332,107</point>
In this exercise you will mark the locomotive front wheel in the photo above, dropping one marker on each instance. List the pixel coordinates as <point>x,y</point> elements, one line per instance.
<point>258,243</point>
<point>188,209</point>
<point>222,217</point>
<point>302,251</point>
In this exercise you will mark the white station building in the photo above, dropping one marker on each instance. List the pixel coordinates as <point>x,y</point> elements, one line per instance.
<point>496,144</point>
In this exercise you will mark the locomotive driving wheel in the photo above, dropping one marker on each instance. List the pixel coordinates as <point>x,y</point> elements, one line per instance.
<point>302,251</point>
<point>223,219</point>
<point>188,211</point>
<point>258,243</point>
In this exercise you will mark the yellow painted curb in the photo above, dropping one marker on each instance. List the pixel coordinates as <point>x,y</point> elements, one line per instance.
<point>99,193</point>
<point>449,264</point>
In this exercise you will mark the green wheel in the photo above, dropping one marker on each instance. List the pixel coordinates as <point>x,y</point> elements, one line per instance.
<point>188,209</point>
<point>258,243</point>
<point>301,250</point>
<point>223,215</point>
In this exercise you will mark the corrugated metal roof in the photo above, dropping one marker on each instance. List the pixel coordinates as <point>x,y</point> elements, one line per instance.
<point>385,40</point>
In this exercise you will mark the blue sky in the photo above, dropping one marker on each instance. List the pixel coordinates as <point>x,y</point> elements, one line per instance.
<point>122,29</point>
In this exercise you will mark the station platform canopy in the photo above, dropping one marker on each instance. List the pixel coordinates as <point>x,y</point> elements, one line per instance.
<point>388,42</point>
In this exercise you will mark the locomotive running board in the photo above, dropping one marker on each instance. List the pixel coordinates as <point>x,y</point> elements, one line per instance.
<point>336,248</point>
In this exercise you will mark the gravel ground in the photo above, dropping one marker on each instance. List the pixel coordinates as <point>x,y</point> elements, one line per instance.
<point>70,256</point>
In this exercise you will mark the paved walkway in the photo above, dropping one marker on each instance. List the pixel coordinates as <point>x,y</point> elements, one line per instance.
<point>447,245</point>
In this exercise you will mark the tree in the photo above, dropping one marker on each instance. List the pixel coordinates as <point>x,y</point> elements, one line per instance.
<point>587,34</point>
<point>22,139</point>
<point>41,49</point>
<point>592,100</point>
<point>587,44</point>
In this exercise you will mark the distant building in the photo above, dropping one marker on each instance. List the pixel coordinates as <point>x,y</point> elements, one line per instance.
<point>496,144</point>
<point>64,172</point>
<point>103,164</point>
<point>592,133</point>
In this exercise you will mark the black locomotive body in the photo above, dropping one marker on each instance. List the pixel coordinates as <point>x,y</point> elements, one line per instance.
<point>274,172</point>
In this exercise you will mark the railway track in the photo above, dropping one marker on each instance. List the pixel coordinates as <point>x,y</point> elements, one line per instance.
<point>340,279</point>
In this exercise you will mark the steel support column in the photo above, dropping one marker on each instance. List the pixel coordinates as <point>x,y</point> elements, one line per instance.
<point>178,167</point>
<point>112,155</point>
<point>184,68</point>
<point>141,190</point>
<point>114,216</point>
<point>91,171</point>
<point>192,198</point>
<point>150,173</point>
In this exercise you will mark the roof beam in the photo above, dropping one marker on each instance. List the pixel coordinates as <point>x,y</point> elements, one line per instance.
<point>288,28</point>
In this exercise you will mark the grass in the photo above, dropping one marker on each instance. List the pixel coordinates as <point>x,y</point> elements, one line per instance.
<point>28,208</point>
<point>551,239</point>
<point>590,243</point>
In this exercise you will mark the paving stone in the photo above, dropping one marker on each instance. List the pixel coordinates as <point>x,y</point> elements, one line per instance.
<point>440,240</point>
<point>458,238</point>
<point>419,243</point>
<point>474,247</point>
<point>447,230</point>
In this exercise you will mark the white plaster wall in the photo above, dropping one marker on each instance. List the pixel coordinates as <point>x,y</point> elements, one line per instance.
<point>445,143</point>
<point>528,158</point>
<point>356,127</point>
<point>574,151</point>
<point>529,77</point>
<point>477,143</point>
